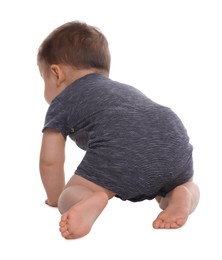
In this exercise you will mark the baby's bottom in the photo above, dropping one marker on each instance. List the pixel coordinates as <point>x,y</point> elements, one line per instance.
<point>177,205</point>
<point>80,204</point>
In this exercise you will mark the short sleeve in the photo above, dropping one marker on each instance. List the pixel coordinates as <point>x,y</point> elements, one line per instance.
<point>56,118</point>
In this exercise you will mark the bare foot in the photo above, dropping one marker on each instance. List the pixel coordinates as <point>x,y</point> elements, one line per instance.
<point>78,220</point>
<point>176,213</point>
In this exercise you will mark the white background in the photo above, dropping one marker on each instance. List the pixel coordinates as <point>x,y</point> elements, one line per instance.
<point>172,51</point>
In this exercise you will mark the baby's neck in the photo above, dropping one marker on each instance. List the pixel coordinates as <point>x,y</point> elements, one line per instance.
<point>75,74</point>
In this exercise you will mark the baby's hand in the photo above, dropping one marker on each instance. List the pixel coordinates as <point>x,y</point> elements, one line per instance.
<point>50,204</point>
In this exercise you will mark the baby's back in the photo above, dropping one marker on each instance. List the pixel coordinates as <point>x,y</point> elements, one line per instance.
<point>122,130</point>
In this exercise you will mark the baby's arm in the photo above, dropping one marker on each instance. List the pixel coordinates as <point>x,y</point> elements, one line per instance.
<point>52,158</point>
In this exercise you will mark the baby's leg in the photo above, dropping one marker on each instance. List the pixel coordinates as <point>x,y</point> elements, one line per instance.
<point>80,204</point>
<point>177,205</point>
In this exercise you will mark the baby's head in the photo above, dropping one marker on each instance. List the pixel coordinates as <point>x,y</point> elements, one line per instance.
<point>78,45</point>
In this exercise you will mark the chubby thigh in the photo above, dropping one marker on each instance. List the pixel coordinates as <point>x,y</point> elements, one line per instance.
<point>77,180</point>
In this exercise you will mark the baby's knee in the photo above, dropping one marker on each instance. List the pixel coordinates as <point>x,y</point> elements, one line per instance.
<point>72,195</point>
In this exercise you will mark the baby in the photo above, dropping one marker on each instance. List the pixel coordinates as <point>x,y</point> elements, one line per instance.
<point>136,149</point>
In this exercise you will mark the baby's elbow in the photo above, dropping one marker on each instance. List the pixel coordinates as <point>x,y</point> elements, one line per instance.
<point>51,161</point>
<point>50,165</point>
<point>46,162</point>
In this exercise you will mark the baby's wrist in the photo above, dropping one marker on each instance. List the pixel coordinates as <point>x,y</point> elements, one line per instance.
<point>51,204</point>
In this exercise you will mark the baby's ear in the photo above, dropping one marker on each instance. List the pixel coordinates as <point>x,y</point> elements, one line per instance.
<point>55,70</point>
<point>58,73</point>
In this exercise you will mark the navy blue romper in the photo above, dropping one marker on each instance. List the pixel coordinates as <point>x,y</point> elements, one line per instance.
<point>134,147</point>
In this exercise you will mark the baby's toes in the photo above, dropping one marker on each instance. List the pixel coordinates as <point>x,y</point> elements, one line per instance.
<point>64,231</point>
<point>167,225</point>
<point>62,223</point>
<point>63,220</point>
<point>65,234</point>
